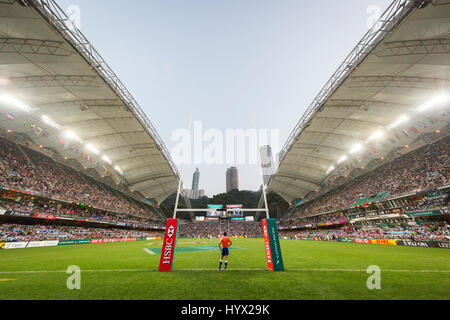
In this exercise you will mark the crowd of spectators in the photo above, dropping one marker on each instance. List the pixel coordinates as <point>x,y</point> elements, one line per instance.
<point>334,218</point>
<point>424,169</point>
<point>18,233</point>
<point>420,232</point>
<point>80,213</point>
<point>438,231</point>
<point>24,233</point>
<point>25,169</point>
<point>431,201</point>
<point>214,229</point>
<point>435,200</point>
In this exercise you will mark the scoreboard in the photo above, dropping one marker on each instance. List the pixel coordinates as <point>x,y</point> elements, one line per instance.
<point>235,210</point>
<point>232,211</point>
<point>214,210</point>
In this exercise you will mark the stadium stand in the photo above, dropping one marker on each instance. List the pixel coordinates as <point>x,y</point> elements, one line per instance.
<point>424,169</point>
<point>20,233</point>
<point>405,199</point>
<point>34,185</point>
<point>439,231</point>
<point>25,169</point>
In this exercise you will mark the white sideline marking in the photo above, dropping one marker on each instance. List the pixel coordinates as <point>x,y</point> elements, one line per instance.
<point>64,271</point>
<point>231,269</point>
<point>155,244</point>
<point>325,270</point>
<point>149,251</point>
<point>365,270</point>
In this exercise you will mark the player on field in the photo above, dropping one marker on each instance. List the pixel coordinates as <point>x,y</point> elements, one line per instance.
<point>224,246</point>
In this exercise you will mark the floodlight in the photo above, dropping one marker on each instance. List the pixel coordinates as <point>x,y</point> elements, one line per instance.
<point>92,148</point>
<point>398,122</point>
<point>14,102</point>
<point>342,159</point>
<point>51,123</point>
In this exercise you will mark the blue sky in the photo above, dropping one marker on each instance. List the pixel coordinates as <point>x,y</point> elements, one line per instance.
<point>223,61</point>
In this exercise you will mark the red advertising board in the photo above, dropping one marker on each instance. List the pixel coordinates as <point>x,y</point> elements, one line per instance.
<point>267,244</point>
<point>169,245</point>
<point>361,241</point>
<point>44,216</point>
<point>113,240</point>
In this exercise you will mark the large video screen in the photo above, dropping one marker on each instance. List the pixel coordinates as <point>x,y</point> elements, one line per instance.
<point>214,210</point>
<point>235,210</point>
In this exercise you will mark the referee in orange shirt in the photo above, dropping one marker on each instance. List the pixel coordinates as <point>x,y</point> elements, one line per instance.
<point>224,246</point>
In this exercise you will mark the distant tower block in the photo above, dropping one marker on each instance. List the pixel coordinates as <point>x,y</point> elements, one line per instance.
<point>232,179</point>
<point>267,164</point>
<point>195,180</point>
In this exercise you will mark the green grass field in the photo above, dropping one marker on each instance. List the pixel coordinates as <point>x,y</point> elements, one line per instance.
<point>314,270</point>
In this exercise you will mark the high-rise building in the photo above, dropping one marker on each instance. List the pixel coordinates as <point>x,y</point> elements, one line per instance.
<point>195,180</point>
<point>194,194</point>
<point>232,179</point>
<point>268,167</point>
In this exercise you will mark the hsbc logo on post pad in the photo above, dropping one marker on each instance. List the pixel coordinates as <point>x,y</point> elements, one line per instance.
<point>267,245</point>
<point>170,231</point>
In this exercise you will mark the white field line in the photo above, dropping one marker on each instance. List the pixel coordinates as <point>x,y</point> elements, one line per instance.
<point>318,270</point>
<point>231,269</point>
<point>149,251</point>
<point>160,243</point>
<point>154,244</point>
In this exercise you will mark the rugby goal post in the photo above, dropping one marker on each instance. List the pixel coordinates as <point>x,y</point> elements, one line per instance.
<point>270,229</point>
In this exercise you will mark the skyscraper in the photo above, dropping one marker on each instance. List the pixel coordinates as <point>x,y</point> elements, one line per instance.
<point>195,180</point>
<point>232,179</point>
<point>267,164</point>
<point>191,194</point>
<point>195,193</point>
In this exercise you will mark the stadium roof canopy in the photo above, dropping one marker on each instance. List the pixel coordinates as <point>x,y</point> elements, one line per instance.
<point>387,96</point>
<point>58,90</point>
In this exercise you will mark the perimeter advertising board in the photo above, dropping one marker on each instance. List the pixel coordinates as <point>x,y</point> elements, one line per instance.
<point>15,245</point>
<point>73,242</point>
<point>425,244</point>
<point>36,244</point>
